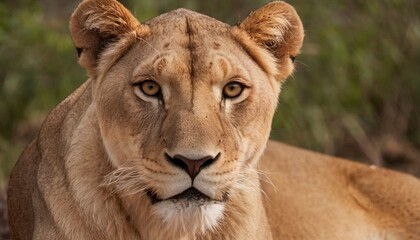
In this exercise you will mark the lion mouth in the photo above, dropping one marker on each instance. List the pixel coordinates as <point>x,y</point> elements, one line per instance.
<point>191,194</point>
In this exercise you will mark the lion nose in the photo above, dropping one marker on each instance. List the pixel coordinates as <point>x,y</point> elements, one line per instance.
<point>192,166</point>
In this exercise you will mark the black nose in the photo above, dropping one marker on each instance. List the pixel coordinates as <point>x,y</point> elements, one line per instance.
<point>191,166</point>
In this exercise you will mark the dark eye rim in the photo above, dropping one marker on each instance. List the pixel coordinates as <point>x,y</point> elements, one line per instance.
<point>243,87</point>
<point>140,84</point>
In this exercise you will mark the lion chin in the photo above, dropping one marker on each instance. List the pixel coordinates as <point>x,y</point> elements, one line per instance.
<point>189,216</point>
<point>188,211</point>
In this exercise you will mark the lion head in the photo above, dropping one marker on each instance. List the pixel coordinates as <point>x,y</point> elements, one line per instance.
<point>183,105</point>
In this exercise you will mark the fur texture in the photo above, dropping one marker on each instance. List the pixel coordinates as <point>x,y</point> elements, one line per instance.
<point>104,164</point>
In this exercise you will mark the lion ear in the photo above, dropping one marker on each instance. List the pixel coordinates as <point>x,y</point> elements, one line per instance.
<point>94,25</point>
<point>277,28</point>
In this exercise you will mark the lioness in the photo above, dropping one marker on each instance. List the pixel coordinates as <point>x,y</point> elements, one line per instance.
<point>164,140</point>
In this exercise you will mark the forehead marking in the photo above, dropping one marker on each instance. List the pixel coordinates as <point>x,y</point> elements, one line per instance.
<point>224,66</point>
<point>216,45</point>
<point>160,65</point>
<point>191,48</point>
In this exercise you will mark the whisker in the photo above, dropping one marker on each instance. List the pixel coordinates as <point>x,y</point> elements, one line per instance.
<point>150,45</point>
<point>249,185</point>
<point>126,179</point>
<point>263,176</point>
<point>304,64</point>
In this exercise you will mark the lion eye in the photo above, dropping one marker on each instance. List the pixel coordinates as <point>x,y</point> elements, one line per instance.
<point>150,88</point>
<point>232,90</point>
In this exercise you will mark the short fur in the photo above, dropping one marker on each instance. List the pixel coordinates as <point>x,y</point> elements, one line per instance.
<point>100,155</point>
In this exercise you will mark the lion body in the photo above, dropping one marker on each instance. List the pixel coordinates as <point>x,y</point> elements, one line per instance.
<point>315,196</point>
<point>105,166</point>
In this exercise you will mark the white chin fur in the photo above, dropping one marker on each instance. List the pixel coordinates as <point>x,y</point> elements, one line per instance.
<point>189,216</point>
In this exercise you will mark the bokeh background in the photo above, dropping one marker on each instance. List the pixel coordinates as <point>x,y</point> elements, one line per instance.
<point>356,92</point>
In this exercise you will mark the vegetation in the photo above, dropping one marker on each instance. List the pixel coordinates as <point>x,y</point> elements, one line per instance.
<point>356,92</point>
<point>38,68</point>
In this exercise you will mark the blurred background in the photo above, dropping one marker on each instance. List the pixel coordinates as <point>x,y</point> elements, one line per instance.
<point>355,94</point>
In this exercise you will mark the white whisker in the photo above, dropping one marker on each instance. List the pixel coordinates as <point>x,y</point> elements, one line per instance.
<point>126,179</point>
<point>150,45</point>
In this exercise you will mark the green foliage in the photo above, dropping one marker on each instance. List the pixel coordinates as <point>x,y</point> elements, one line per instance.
<point>359,61</point>
<point>38,66</point>
<point>38,69</point>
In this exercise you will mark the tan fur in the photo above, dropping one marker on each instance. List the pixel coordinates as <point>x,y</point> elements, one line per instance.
<point>103,148</point>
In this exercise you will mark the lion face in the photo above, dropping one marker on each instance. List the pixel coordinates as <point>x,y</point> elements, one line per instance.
<point>192,114</point>
<point>184,105</point>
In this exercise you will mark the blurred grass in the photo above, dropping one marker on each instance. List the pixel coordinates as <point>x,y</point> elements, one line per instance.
<point>357,89</point>
<point>356,86</point>
<point>38,69</point>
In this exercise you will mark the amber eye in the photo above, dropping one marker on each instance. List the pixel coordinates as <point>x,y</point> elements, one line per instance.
<point>233,90</point>
<point>150,88</point>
